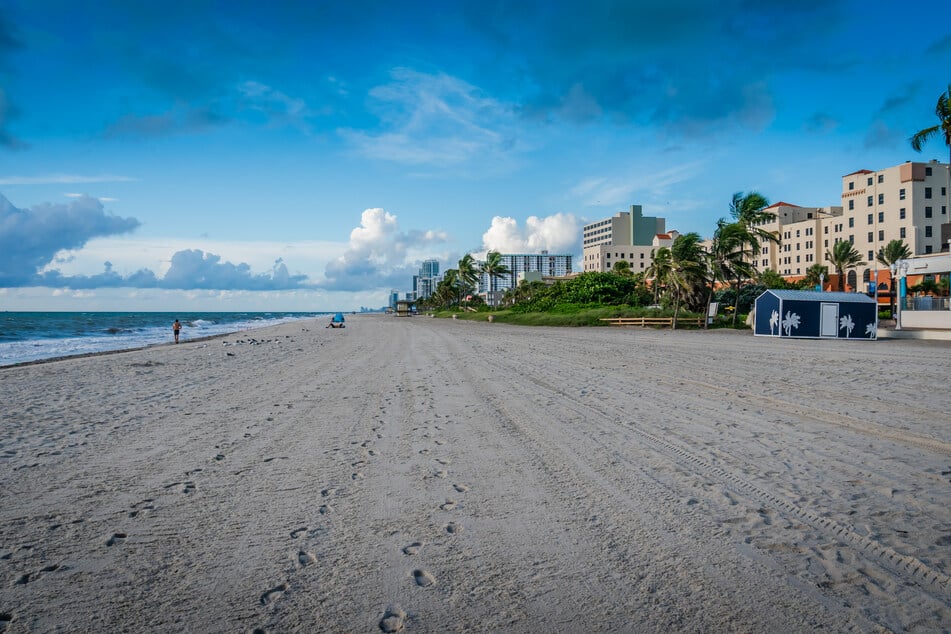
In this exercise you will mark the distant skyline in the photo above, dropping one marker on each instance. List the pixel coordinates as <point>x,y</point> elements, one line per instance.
<point>309,155</point>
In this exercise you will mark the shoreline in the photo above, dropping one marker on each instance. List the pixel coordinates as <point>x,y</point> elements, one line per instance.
<point>95,353</point>
<point>438,475</point>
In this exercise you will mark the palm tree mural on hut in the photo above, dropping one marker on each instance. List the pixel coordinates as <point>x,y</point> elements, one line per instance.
<point>871,330</point>
<point>773,321</point>
<point>846,323</point>
<point>790,321</point>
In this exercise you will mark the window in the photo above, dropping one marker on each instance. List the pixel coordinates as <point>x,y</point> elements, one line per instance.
<point>944,191</point>
<point>797,259</point>
<point>881,199</point>
<point>797,233</point>
<point>871,218</point>
<point>927,192</point>
<point>901,194</point>
<point>869,182</point>
<point>851,185</point>
<point>851,222</point>
<point>851,204</point>
<point>871,236</point>
<point>927,212</point>
<point>881,216</point>
<point>851,239</point>
<point>928,248</point>
<point>901,213</point>
<point>870,203</point>
<point>881,178</point>
<point>881,235</point>
<point>870,257</point>
<point>901,233</point>
<point>825,230</point>
<point>927,171</point>
<point>927,231</point>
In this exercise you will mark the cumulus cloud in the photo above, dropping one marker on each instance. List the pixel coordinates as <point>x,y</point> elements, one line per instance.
<point>557,233</point>
<point>378,254</point>
<point>33,242</point>
<point>29,238</point>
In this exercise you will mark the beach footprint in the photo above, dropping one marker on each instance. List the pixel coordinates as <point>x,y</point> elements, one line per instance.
<point>413,548</point>
<point>393,620</point>
<point>305,558</point>
<point>424,578</point>
<point>453,529</point>
<point>448,505</point>
<point>274,594</point>
<point>460,488</point>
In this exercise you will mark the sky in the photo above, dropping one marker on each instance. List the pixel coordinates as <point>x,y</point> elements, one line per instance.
<point>307,156</point>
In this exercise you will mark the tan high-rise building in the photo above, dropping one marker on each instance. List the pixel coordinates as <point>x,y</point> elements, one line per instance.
<point>628,236</point>
<point>907,202</point>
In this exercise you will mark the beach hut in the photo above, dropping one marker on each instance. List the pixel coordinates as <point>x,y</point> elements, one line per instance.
<point>815,315</point>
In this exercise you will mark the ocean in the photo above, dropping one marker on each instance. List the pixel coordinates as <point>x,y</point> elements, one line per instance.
<point>26,336</point>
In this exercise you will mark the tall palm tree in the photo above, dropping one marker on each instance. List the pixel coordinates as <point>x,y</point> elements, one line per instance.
<point>659,269</point>
<point>729,259</point>
<point>842,257</point>
<point>494,268</point>
<point>688,271</point>
<point>750,210</point>
<point>892,252</point>
<point>942,110</point>
<point>889,254</point>
<point>468,273</point>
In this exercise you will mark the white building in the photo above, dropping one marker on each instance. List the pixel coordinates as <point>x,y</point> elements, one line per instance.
<point>518,264</point>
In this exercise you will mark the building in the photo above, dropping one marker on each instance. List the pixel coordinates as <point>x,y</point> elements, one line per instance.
<point>519,265</point>
<point>628,235</point>
<point>907,202</point>
<point>424,283</point>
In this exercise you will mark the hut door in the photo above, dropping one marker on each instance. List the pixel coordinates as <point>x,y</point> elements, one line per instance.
<point>829,326</point>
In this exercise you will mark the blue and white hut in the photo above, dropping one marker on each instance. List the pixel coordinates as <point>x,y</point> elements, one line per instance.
<point>815,315</point>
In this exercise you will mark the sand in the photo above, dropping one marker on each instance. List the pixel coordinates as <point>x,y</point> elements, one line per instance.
<point>423,475</point>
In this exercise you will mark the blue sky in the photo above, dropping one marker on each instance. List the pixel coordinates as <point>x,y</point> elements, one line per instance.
<point>308,155</point>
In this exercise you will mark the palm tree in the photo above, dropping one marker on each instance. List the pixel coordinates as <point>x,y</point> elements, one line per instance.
<point>622,267</point>
<point>889,254</point>
<point>750,211</point>
<point>468,273</point>
<point>659,269</point>
<point>688,270</point>
<point>942,110</point>
<point>815,274</point>
<point>892,252</point>
<point>842,257</point>
<point>729,259</point>
<point>493,268</point>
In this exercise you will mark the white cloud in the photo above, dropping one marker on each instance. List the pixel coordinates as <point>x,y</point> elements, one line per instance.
<point>379,254</point>
<point>437,120</point>
<point>64,179</point>
<point>558,233</point>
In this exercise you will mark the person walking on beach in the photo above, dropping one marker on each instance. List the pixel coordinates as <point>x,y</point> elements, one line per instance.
<point>176,328</point>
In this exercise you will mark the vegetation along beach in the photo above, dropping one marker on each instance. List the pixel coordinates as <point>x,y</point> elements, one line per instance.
<point>432,475</point>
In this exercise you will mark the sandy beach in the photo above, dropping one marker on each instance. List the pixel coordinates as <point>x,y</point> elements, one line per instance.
<point>424,475</point>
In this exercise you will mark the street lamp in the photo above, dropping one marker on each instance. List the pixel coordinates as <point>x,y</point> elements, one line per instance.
<point>898,269</point>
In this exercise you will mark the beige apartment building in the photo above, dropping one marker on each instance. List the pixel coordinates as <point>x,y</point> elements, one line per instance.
<point>628,236</point>
<point>907,202</point>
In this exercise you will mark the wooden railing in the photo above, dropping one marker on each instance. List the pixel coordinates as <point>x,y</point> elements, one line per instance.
<point>652,321</point>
